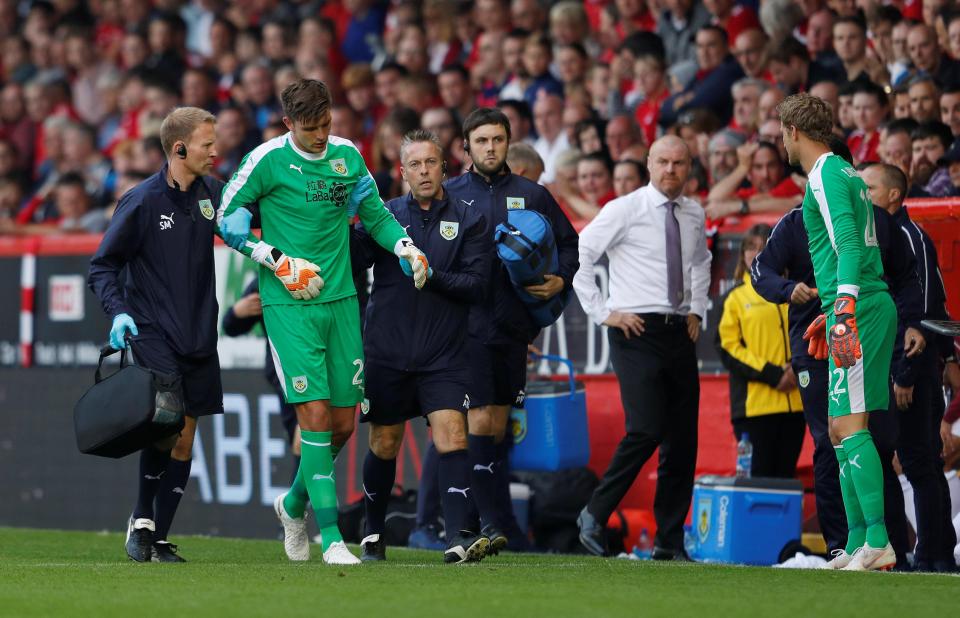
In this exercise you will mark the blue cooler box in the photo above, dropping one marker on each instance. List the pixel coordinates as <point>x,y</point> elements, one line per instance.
<point>745,521</point>
<point>550,431</point>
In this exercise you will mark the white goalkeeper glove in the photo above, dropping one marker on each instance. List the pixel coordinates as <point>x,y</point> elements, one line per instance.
<point>419,268</point>
<point>300,277</point>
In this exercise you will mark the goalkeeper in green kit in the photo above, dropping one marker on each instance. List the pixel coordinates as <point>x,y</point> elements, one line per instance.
<point>858,326</point>
<point>309,185</point>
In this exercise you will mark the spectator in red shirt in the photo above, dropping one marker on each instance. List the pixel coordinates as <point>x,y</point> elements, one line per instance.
<point>734,18</point>
<point>869,110</point>
<point>650,77</point>
<point>595,184</point>
<point>759,164</point>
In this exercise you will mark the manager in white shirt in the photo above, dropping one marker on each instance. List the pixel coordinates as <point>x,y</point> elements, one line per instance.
<point>659,276</point>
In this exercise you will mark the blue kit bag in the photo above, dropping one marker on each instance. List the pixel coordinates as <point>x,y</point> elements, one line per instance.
<point>526,246</point>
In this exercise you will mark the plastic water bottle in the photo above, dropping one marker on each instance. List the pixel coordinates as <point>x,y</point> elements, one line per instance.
<point>744,456</point>
<point>644,547</point>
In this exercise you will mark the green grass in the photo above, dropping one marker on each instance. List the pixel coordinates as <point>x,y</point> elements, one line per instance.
<point>68,574</point>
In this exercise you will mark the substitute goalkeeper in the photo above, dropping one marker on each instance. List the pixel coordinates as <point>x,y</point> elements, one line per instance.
<point>309,184</point>
<point>859,324</point>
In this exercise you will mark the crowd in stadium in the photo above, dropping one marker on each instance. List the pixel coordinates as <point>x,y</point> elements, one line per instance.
<point>587,87</point>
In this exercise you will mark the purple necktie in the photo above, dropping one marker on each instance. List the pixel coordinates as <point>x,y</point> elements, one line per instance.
<point>674,257</point>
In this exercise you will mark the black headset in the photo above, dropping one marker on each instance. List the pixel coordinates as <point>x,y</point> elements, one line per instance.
<point>181,151</point>
<point>466,146</point>
<point>443,167</point>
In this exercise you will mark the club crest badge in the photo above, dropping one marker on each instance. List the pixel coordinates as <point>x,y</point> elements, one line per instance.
<point>339,166</point>
<point>803,378</point>
<point>449,229</point>
<point>704,508</point>
<point>365,406</point>
<point>206,209</point>
<point>515,203</point>
<point>518,424</point>
<point>300,384</point>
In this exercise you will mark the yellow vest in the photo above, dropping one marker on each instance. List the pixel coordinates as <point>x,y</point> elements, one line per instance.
<point>753,334</point>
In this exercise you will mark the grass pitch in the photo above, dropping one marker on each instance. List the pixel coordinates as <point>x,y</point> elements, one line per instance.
<point>74,574</point>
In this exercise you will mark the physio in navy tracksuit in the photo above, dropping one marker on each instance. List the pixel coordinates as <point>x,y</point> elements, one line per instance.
<point>500,327</point>
<point>917,385</point>
<point>418,366</point>
<point>154,275</point>
<point>783,273</point>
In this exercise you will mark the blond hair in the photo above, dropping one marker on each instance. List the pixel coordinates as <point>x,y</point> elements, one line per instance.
<point>180,124</point>
<point>811,115</point>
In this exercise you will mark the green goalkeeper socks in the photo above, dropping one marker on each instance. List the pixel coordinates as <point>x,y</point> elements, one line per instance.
<point>316,472</point>
<point>856,529</point>
<point>864,465</point>
<point>295,502</point>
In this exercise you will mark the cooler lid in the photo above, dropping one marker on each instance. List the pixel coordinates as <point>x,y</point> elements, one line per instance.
<point>768,484</point>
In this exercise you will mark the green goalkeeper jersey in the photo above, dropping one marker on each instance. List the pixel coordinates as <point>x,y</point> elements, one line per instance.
<point>303,202</point>
<point>842,236</point>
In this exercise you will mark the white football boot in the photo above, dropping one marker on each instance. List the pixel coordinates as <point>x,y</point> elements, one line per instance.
<point>296,542</point>
<point>338,553</point>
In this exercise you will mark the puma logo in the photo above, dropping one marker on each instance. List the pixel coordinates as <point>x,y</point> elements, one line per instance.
<point>479,468</point>
<point>324,477</point>
<point>178,490</point>
<point>153,478</point>
<point>843,471</point>
<point>299,168</point>
<point>853,462</point>
<point>367,493</point>
<point>470,203</point>
<point>457,490</point>
<point>166,221</point>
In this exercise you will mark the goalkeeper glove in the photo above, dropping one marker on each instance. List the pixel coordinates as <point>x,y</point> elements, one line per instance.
<point>844,337</point>
<point>361,191</point>
<point>235,228</point>
<point>118,331</point>
<point>413,262</point>
<point>299,276</point>
<point>816,336</point>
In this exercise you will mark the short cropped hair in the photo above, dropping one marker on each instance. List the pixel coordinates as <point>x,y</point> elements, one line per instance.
<point>523,155</point>
<point>180,124</point>
<point>811,115</point>
<point>305,100</point>
<point>418,136</point>
<point>893,178</point>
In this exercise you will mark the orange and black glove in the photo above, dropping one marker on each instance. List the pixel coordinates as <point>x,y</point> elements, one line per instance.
<point>816,338</point>
<point>844,337</point>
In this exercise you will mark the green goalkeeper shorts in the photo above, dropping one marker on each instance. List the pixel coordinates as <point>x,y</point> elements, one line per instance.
<point>317,351</point>
<point>865,387</point>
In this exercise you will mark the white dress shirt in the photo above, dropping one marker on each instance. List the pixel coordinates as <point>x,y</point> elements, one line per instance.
<point>631,231</point>
<point>549,152</point>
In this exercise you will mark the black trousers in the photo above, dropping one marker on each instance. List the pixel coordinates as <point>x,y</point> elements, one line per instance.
<point>777,440</point>
<point>919,448</point>
<point>826,472</point>
<point>660,389</point>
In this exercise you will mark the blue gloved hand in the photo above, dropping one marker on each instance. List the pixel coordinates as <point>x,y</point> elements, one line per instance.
<point>122,323</point>
<point>235,228</point>
<point>361,191</point>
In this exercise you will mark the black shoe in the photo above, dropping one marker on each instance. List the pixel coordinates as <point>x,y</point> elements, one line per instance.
<point>592,535</point>
<point>166,552</point>
<point>945,566</point>
<point>466,547</point>
<point>373,549</point>
<point>923,566</point>
<point>139,543</point>
<point>662,553</point>
<point>498,540</point>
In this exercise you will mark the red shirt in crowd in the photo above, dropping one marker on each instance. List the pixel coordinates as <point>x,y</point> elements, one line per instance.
<point>648,114</point>
<point>864,149</point>
<point>741,18</point>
